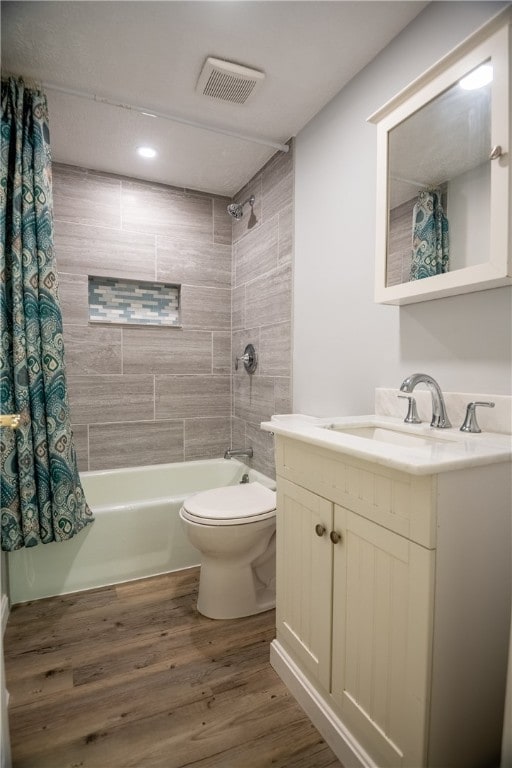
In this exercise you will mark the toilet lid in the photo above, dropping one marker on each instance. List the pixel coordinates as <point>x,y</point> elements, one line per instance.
<point>233,503</point>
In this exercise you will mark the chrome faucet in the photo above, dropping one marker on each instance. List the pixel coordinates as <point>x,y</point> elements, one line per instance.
<point>231,452</point>
<point>439,416</point>
<point>470,423</point>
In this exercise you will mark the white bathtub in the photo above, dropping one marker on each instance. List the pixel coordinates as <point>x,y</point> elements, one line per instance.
<point>137,531</point>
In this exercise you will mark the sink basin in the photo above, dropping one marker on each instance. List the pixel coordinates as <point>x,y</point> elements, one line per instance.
<point>385,435</point>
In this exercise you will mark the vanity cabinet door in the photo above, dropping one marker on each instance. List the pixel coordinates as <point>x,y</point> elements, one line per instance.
<point>304,572</point>
<point>382,630</point>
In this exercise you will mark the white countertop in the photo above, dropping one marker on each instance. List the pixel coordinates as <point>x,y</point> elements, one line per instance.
<point>451,449</point>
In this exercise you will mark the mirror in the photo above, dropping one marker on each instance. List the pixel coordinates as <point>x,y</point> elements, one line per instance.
<point>443,166</point>
<point>439,184</point>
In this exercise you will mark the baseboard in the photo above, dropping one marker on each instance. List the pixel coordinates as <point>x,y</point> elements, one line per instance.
<point>5,612</point>
<point>346,748</point>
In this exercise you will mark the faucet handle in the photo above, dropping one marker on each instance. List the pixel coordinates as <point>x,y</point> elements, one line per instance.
<point>412,412</point>
<point>470,422</point>
<point>248,358</point>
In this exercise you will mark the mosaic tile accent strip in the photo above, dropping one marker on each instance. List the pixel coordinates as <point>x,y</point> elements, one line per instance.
<point>133,302</point>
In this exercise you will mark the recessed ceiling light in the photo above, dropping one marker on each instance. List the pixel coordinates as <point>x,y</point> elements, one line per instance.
<point>146,151</point>
<point>477,78</point>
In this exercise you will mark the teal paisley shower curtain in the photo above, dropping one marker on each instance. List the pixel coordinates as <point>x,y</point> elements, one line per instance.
<point>41,496</point>
<point>430,246</point>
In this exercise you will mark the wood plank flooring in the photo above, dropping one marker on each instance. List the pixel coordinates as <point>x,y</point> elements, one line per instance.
<point>132,676</point>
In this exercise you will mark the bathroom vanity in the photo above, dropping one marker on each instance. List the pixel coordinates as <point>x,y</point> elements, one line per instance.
<point>393,587</point>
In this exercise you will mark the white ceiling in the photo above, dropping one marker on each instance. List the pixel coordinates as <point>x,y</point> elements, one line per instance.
<point>149,54</point>
<point>441,141</point>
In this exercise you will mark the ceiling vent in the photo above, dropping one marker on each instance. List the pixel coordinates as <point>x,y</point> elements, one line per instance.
<point>228,81</point>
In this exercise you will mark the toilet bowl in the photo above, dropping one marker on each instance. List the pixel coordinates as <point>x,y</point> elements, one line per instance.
<point>234,529</point>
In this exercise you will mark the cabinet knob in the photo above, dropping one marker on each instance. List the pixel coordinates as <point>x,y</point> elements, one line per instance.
<point>335,537</point>
<point>496,152</point>
<point>320,529</point>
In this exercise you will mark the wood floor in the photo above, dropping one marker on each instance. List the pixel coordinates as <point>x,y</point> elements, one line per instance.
<point>132,675</point>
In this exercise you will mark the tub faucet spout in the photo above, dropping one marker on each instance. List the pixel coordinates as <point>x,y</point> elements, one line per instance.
<point>439,416</point>
<point>231,452</point>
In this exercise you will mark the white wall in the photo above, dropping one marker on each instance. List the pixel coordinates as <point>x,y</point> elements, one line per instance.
<point>344,344</point>
<point>467,195</point>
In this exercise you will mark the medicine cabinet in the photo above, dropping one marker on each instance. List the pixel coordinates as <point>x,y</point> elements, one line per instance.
<point>443,175</point>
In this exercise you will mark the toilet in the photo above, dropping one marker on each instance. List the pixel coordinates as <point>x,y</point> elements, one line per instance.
<point>234,528</point>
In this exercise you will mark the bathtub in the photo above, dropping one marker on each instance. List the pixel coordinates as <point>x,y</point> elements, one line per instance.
<point>137,531</point>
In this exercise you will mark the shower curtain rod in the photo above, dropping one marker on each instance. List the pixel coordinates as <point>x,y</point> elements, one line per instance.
<point>412,182</point>
<point>165,116</point>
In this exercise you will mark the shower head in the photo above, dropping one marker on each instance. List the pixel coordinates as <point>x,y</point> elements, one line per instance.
<point>236,210</point>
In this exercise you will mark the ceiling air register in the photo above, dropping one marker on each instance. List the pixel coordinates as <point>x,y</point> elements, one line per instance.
<point>228,81</point>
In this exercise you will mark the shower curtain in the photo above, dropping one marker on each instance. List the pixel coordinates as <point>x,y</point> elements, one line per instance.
<point>41,496</point>
<point>430,246</point>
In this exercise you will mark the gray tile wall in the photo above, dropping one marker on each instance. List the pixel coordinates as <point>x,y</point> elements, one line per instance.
<point>400,243</point>
<point>261,306</point>
<point>143,395</point>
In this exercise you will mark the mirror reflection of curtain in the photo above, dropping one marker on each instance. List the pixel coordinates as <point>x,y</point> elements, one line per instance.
<point>42,498</point>
<point>430,243</point>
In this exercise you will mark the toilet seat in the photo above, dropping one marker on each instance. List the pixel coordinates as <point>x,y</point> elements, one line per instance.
<point>231,505</point>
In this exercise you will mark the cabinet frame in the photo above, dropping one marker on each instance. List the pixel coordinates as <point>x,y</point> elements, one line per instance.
<point>491,41</point>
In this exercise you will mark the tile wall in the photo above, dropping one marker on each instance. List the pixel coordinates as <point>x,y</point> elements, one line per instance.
<point>262,306</point>
<point>400,243</point>
<point>149,395</point>
<point>145,395</point>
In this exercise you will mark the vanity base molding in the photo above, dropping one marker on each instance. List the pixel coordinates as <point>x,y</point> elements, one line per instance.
<point>346,748</point>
